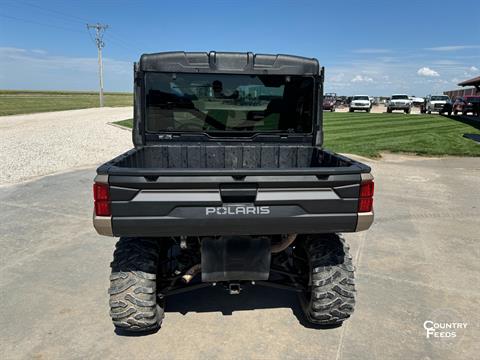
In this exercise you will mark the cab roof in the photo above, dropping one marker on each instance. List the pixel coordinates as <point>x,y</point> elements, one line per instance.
<point>229,62</point>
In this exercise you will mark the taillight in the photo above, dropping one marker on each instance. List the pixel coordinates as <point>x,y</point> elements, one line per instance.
<point>365,202</point>
<point>366,189</point>
<point>101,196</point>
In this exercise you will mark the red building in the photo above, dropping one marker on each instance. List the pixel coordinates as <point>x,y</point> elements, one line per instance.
<point>475,90</point>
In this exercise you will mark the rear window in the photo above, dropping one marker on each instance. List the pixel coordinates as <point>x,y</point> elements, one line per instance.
<point>228,103</point>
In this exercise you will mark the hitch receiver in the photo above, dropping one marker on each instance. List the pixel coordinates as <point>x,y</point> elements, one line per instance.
<point>234,288</point>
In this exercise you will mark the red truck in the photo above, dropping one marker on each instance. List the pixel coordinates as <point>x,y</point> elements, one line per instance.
<point>330,101</point>
<point>467,104</point>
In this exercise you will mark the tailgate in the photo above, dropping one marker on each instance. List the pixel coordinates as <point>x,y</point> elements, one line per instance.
<point>233,205</point>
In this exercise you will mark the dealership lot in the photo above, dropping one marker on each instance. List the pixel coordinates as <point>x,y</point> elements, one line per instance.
<point>378,109</point>
<point>419,262</point>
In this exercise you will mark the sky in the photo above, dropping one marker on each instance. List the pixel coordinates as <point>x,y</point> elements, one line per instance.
<point>367,47</point>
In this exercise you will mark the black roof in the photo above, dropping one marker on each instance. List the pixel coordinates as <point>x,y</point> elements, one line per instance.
<point>471,82</point>
<point>228,62</point>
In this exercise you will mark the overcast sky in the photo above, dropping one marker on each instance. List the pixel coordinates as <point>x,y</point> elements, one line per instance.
<point>367,47</point>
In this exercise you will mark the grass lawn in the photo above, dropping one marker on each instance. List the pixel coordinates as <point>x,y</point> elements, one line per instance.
<point>25,102</point>
<point>370,134</point>
<point>127,123</point>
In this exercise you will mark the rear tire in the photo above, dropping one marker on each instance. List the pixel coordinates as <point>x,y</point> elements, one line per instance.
<point>389,110</point>
<point>330,295</point>
<point>350,110</point>
<point>133,286</point>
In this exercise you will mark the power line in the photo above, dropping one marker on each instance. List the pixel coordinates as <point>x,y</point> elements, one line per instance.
<point>116,39</point>
<point>39,23</point>
<point>99,32</point>
<point>117,42</point>
<point>71,17</point>
<point>121,38</point>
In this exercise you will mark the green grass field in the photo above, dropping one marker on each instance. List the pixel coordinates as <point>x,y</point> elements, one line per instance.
<point>25,102</point>
<point>370,134</point>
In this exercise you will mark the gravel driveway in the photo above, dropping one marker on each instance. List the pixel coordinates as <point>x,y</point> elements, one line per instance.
<point>40,144</point>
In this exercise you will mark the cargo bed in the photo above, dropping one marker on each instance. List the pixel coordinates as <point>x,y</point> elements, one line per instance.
<point>206,159</point>
<point>206,190</point>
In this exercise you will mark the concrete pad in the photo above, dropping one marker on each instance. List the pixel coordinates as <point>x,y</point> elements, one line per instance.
<point>418,262</point>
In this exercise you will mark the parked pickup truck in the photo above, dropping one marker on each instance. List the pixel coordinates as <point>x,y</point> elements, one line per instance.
<point>439,103</point>
<point>330,102</point>
<point>399,102</point>
<point>360,102</point>
<point>228,185</point>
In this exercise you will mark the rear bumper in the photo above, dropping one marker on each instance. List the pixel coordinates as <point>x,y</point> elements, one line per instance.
<point>320,223</point>
<point>236,225</point>
<point>103,225</point>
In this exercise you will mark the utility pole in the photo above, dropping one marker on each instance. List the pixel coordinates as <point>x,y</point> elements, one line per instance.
<point>99,31</point>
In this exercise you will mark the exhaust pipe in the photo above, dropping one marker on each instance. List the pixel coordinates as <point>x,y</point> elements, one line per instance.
<point>190,273</point>
<point>285,243</point>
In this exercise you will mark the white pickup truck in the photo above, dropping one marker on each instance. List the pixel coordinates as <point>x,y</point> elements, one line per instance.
<point>399,102</point>
<point>438,103</point>
<point>360,102</point>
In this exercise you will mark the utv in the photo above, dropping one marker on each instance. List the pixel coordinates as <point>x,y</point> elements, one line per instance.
<point>228,185</point>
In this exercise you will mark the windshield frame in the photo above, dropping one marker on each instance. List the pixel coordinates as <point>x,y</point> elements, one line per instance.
<point>315,120</point>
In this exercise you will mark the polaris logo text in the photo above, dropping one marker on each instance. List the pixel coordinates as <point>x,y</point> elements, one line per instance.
<point>238,210</point>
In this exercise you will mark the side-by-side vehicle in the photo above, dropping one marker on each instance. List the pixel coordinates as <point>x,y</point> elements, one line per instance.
<point>228,184</point>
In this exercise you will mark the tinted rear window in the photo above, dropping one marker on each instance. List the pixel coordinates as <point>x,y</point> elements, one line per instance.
<point>228,103</point>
